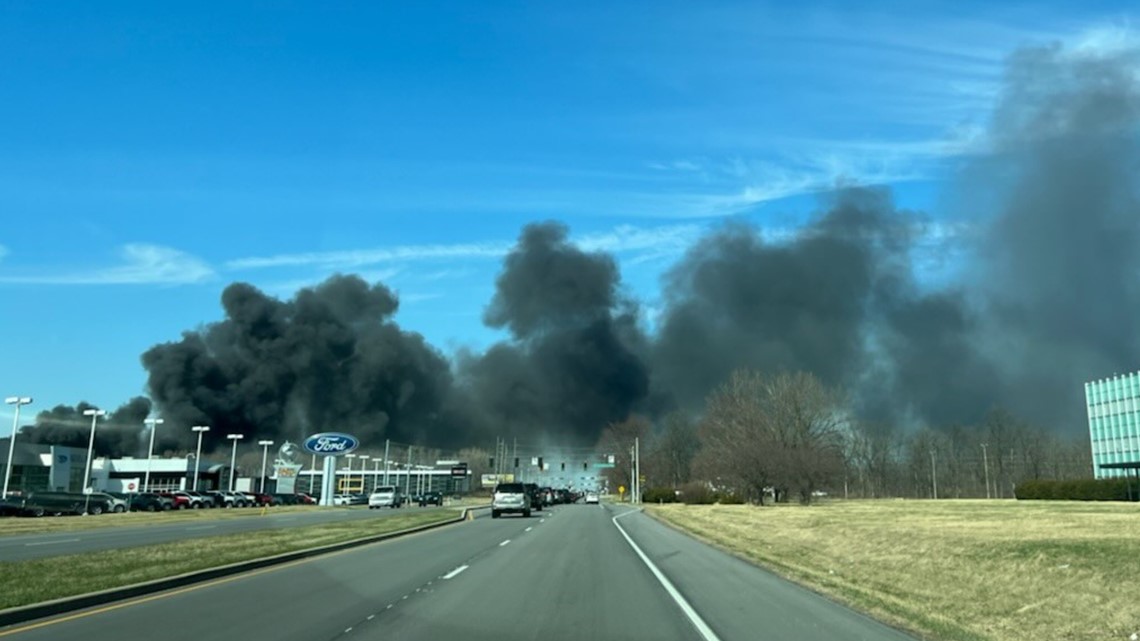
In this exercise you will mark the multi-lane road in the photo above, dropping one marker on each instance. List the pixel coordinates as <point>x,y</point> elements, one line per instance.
<point>34,546</point>
<point>575,572</point>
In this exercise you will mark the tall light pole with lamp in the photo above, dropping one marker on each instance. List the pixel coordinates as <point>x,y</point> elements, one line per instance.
<point>198,456</point>
<point>18,401</point>
<point>264,458</point>
<point>348,480</point>
<point>363,465</point>
<point>375,473</point>
<point>94,414</point>
<point>233,456</point>
<point>153,423</point>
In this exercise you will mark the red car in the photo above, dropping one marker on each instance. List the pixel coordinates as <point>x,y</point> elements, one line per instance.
<point>181,501</point>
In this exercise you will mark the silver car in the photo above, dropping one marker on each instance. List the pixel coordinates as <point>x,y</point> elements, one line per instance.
<point>510,498</point>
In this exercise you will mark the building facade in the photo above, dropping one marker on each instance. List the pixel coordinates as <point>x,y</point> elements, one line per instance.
<point>1114,422</point>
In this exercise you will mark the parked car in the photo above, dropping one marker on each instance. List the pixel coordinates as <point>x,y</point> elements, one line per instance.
<point>286,499</point>
<point>180,501</point>
<point>431,498</point>
<point>260,498</point>
<point>220,498</point>
<point>118,505</point>
<point>41,503</point>
<point>147,502</point>
<point>385,496</point>
<point>193,501</point>
<point>511,498</point>
<point>11,508</point>
<point>305,499</point>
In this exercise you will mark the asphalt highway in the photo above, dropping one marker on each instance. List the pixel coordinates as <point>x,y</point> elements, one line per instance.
<point>25,547</point>
<point>574,572</point>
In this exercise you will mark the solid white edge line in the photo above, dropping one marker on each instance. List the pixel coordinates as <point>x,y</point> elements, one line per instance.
<point>454,573</point>
<point>52,542</point>
<point>694,618</point>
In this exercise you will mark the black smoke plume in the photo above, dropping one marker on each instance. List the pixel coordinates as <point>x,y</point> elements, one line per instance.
<point>116,434</point>
<point>1043,298</point>
<point>331,358</point>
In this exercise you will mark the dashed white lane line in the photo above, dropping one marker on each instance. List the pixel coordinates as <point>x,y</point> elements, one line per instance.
<point>528,529</point>
<point>201,527</point>
<point>454,573</point>
<point>53,542</point>
<point>504,543</point>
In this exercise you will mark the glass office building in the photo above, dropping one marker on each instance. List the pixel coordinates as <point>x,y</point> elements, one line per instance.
<point>1114,422</point>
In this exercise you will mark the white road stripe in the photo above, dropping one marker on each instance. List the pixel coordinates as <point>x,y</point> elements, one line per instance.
<point>504,543</point>
<point>53,542</point>
<point>201,527</point>
<point>702,628</point>
<point>454,573</point>
<point>528,529</point>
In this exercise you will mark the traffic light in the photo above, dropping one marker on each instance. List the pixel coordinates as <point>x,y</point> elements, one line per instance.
<point>491,462</point>
<point>563,466</point>
<point>540,467</point>
<point>585,465</point>
<point>516,461</point>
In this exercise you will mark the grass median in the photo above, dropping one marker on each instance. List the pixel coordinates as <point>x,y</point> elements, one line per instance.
<point>27,582</point>
<point>950,570</point>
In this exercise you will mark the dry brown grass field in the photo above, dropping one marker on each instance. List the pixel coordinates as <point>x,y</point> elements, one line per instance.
<point>949,570</point>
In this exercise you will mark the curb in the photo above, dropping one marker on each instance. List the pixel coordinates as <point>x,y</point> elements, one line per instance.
<point>25,613</point>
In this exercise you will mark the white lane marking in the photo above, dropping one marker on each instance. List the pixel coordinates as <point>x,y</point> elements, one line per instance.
<point>504,543</point>
<point>542,520</point>
<point>528,529</point>
<point>454,573</point>
<point>53,542</point>
<point>347,630</point>
<point>702,628</point>
<point>201,527</point>
<point>371,616</point>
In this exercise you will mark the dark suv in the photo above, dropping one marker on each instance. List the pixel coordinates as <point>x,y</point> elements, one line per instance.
<point>535,496</point>
<point>431,498</point>
<point>41,503</point>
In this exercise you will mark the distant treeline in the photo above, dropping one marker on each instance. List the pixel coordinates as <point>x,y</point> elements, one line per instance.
<point>788,436</point>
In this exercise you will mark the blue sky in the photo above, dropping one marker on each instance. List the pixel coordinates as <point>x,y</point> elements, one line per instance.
<point>150,157</point>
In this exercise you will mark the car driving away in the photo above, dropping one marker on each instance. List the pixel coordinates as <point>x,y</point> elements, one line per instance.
<point>511,498</point>
<point>592,497</point>
<point>431,498</point>
<point>385,496</point>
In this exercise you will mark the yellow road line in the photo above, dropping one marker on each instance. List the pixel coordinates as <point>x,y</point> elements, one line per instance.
<point>198,586</point>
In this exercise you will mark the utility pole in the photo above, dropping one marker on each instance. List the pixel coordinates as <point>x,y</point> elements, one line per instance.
<point>516,457</point>
<point>986,467</point>
<point>408,473</point>
<point>933,473</point>
<point>637,468</point>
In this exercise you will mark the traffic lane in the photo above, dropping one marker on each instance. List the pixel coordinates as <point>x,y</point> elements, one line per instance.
<point>28,547</point>
<point>313,599</point>
<point>741,601</point>
<point>571,576</point>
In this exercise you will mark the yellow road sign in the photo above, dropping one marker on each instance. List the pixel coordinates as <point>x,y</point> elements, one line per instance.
<point>621,489</point>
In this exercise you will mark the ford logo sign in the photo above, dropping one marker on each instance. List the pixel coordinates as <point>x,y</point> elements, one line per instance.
<point>330,443</point>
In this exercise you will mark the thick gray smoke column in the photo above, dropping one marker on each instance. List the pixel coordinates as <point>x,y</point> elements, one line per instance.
<point>116,434</point>
<point>570,367</point>
<point>329,359</point>
<point>1059,269</point>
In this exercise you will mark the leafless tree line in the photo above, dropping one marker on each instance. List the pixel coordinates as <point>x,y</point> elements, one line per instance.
<point>787,436</point>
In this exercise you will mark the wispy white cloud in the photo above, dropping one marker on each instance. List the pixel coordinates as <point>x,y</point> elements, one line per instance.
<point>142,264</point>
<point>3,252</point>
<point>348,258</point>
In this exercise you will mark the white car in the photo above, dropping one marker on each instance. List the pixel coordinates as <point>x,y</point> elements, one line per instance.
<point>341,499</point>
<point>592,497</point>
<point>385,496</point>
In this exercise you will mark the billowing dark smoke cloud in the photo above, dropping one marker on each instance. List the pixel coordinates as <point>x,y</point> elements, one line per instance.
<point>329,359</point>
<point>1059,269</point>
<point>116,434</point>
<point>1043,299</point>
<point>570,367</point>
<point>1045,302</point>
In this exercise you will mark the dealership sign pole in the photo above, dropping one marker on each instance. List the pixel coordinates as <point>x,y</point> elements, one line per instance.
<point>330,445</point>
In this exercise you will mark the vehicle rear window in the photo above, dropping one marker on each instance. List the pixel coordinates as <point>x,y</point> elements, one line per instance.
<point>384,490</point>
<point>511,488</point>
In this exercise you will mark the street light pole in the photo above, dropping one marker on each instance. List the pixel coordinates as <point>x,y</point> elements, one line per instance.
<point>363,465</point>
<point>94,414</point>
<point>986,467</point>
<point>198,456</point>
<point>264,458</point>
<point>408,473</point>
<point>375,472</point>
<point>933,474</point>
<point>17,401</point>
<point>385,461</point>
<point>348,477</point>
<point>153,423</point>
<point>233,456</point>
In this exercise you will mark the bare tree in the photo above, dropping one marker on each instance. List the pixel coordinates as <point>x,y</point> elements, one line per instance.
<point>673,449</point>
<point>617,439</point>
